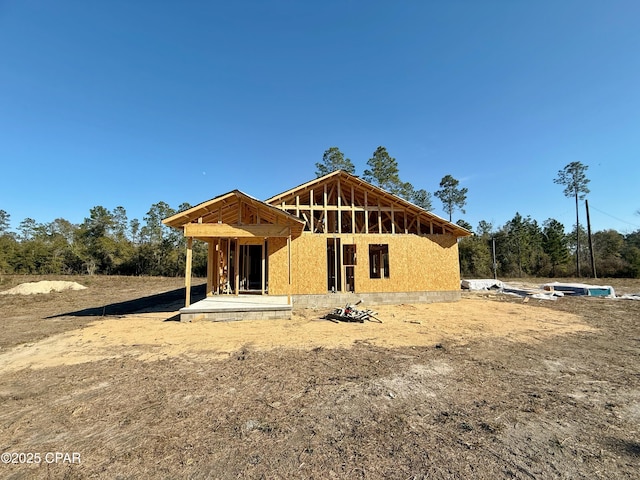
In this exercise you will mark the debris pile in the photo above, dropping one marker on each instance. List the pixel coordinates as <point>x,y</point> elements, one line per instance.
<point>351,314</point>
<point>548,291</point>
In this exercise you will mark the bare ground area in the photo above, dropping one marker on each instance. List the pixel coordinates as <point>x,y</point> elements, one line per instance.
<point>488,387</point>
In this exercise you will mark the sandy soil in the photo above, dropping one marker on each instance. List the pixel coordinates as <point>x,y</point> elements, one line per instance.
<point>485,388</point>
<point>42,287</point>
<point>149,336</point>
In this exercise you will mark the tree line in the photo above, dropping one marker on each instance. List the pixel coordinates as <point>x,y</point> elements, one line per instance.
<point>108,242</point>
<point>522,246</point>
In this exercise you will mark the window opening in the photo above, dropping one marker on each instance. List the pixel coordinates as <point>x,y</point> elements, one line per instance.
<point>379,261</point>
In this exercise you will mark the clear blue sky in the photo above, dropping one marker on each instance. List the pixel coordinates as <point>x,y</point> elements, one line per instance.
<point>135,102</point>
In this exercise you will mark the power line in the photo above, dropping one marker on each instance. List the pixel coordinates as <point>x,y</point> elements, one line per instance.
<point>615,218</point>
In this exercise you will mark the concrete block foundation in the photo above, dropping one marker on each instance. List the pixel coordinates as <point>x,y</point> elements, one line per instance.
<point>336,300</point>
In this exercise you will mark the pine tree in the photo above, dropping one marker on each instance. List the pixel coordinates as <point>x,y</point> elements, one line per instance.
<point>332,160</point>
<point>451,196</point>
<point>575,181</point>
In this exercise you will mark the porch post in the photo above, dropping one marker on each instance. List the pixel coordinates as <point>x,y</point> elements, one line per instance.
<point>187,274</point>
<point>216,271</point>
<point>210,265</point>
<point>264,264</point>
<point>228,280</point>
<point>289,265</point>
<point>237,268</point>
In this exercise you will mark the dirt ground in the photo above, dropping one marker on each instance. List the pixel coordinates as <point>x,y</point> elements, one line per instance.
<point>488,387</point>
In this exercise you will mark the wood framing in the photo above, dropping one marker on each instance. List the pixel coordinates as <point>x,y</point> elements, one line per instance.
<point>187,275</point>
<point>335,233</point>
<point>220,230</point>
<point>234,209</point>
<point>350,205</point>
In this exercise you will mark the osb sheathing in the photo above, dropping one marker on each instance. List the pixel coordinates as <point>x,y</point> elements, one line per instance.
<point>278,270</point>
<point>416,263</point>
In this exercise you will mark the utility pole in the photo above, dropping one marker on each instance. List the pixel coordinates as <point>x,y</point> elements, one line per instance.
<point>495,265</point>
<point>593,258</point>
<point>577,238</point>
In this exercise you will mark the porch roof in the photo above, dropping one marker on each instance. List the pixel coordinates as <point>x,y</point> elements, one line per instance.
<point>235,214</point>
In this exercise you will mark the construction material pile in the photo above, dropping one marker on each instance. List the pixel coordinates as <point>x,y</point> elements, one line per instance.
<point>351,314</point>
<point>548,291</point>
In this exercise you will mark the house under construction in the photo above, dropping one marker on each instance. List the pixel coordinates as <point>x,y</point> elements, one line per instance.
<point>323,243</point>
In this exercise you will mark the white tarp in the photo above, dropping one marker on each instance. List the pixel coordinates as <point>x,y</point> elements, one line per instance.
<point>631,296</point>
<point>481,284</point>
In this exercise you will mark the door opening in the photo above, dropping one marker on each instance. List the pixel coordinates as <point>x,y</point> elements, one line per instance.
<point>334,266</point>
<point>253,268</point>
<point>243,266</point>
<point>349,259</point>
<point>250,267</point>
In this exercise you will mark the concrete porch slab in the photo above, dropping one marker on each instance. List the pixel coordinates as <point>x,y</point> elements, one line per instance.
<point>223,308</point>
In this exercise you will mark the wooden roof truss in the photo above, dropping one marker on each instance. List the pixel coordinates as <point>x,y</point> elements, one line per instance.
<point>343,203</point>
